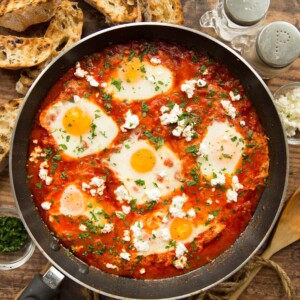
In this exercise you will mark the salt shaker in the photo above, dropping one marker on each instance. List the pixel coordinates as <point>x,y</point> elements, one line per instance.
<point>272,50</point>
<point>231,18</point>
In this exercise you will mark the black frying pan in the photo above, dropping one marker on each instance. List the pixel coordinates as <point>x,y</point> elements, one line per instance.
<point>227,263</point>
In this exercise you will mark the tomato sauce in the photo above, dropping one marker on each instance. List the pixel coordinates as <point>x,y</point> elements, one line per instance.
<point>83,231</point>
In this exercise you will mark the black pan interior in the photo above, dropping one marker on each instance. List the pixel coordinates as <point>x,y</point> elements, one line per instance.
<point>208,275</point>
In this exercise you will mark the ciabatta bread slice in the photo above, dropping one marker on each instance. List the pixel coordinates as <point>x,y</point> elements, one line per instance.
<point>168,11</point>
<point>117,11</point>
<point>20,14</point>
<point>64,30</point>
<point>8,115</point>
<point>19,52</point>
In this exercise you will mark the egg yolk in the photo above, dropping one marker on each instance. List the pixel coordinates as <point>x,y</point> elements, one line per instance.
<point>72,202</point>
<point>76,121</point>
<point>181,229</point>
<point>132,70</point>
<point>143,160</point>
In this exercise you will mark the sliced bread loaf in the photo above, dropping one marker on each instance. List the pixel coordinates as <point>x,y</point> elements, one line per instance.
<point>8,115</point>
<point>117,11</point>
<point>64,30</point>
<point>20,14</point>
<point>18,52</point>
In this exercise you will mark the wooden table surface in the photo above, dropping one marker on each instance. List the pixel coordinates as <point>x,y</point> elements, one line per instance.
<point>266,285</point>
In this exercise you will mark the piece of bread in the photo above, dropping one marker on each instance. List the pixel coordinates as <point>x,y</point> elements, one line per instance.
<point>168,11</point>
<point>18,52</point>
<point>64,30</point>
<point>20,14</point>
<point>117,11</point>
<point>8,115</point>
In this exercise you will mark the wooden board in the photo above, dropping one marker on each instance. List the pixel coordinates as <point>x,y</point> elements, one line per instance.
<point>266,285</point>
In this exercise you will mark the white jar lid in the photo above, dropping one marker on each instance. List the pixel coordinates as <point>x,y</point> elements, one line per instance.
<point>278,44</point>
<point>246,12</point>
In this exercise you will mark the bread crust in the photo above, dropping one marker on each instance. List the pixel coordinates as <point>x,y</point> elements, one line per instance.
<point>168,11</point>
<point>64,30</point>
<point>19,52</point>
<point>8,114</point>
<point>117,11</point>
<point>20,14</point>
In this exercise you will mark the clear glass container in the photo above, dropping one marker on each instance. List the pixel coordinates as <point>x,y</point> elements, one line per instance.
<point>231,18</point>
<point>272,50</point>
<point>15,259</point>
<point>287,101</point>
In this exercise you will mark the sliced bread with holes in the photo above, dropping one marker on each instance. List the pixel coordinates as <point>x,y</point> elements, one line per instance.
<point>18,52</point>
<point>20,14</point>
<point>8,115</point>
<point>117,11</point>
<point>64,30</point>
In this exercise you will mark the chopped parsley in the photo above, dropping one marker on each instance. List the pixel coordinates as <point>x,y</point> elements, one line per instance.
<point>117,83</point>
<point>159,141</point>
<point>192,149</point>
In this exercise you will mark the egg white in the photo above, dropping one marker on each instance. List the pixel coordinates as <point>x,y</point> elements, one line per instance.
<point>101,133</point>
<point>221,149</point>
<point>142,85</point>
<point>119,163</point>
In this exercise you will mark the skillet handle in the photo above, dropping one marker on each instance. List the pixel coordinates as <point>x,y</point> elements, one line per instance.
<point>38,290</point>
<point>43,287</point>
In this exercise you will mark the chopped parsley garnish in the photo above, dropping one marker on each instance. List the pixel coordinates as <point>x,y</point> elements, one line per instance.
<point>192,149</point>
<point>145,109</point>
<point>140,182</point>
<point>13,235</point>
<point>117,83</point>
<point>131,55</point>
<point>159,141</point>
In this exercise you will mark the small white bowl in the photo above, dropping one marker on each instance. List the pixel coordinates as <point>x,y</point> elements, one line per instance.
<point>283,91</point>
<point>15,259</point>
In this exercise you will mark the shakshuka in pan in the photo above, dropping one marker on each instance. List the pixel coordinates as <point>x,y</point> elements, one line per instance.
<point>147,159</point>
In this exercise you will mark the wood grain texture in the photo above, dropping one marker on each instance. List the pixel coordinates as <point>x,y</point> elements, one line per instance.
<point>266,285</point>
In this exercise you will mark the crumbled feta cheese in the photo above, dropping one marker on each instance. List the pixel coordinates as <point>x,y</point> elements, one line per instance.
<point>131,121</point>
<point>188,87</point>
<point>219,180</point>
<point>191,213</point>
<point>137,229</point>
<point>153,194</point>
<point>142,271</point>
<point>180,249</point>
<point>122,194</point>
<point>108,227</point>
<point>234,97</point>
<point>288,106</point>
<point>231,195</point>
<point>229,108</point>
<point>93,192</point>
<point>46,205</point>
<point>177,131</point>
<point>35,154</point>
<point>85,186</point>
<point>188,133</point>
<point>48,180</point>
<point>164,109</point>
<point>92,81</point>
<point>162,174</point>
<point>35,141</point>
<point>43,174</point>
<point>80,73</point>
<point>111,266</point>
<point>180,263</point>
<point>189,109</point>
<point>126,209</point>
<point>209,202</point>
<point>155,61</point>
<point>172,116</point>
<point>201,82</point>
<point>103,84</point>
<point>125,255</point>
<point>176,207</point>
<point>82,227</point>
<point>126,235</point>
<point>242,123</point>
<point>76,98</point>
<point>210,217</point>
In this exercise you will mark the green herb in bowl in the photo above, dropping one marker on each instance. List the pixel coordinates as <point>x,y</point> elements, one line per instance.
<point>13,235</point>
